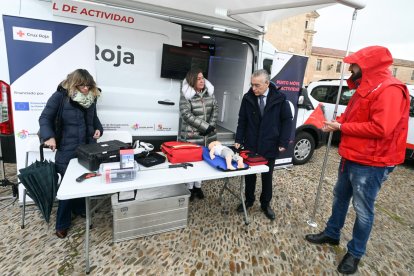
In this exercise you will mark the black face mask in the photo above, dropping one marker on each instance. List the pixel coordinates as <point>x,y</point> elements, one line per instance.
<point>356,76</point>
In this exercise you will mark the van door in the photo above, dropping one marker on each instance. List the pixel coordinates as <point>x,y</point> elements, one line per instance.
<point>229,71</point>
<point>230,64</point>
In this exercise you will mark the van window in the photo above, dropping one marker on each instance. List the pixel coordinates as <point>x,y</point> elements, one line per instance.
<point>267,65</point>
<point>328,94</point>
<point>412,107</point>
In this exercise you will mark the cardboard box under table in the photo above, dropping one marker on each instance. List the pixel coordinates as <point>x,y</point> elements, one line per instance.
<point>153,211</point>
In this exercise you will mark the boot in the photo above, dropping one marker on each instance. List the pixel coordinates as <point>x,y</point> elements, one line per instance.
<point>192,194</point>
<point>199,193</point>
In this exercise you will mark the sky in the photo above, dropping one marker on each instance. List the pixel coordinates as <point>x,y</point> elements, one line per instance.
<point>388,23</point>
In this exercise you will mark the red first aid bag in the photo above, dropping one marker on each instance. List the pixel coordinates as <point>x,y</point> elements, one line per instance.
<point>252,159</point>
<point>181,152</point>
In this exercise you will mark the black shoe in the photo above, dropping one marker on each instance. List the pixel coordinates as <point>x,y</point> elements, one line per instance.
<point>199,193</point>
<point>268,212</point>
<point>349,264</point>
<point>321,238</point>
<point>248,205</point>
<point>192,194</point>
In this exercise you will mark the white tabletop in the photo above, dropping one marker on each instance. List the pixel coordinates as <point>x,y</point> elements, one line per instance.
<point>146,178</point>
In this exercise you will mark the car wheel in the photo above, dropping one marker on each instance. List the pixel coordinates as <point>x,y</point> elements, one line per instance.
<point>304,147</point>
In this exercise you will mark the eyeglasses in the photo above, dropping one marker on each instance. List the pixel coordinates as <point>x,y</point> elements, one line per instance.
<point>84,86</point>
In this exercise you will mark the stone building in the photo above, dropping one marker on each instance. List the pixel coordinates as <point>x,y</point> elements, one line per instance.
<point>325,63</point>
<point>295,35</point>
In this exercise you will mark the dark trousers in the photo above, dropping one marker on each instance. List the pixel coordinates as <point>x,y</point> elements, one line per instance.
<point>65,210</point>
<point>67,207</point>
<point>267,177</point>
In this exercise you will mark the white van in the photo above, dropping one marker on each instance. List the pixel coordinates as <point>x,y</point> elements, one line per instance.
<point>326,91</point>
<point>140,93</point>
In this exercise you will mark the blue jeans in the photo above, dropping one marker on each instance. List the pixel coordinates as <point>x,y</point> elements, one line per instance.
<point>362,183</point>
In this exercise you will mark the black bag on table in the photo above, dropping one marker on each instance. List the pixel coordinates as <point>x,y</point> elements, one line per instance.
<point>92,155</point>
<point>149,159</point>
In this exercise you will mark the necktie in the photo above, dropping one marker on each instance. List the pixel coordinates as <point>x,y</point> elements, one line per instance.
<point>261,104</point>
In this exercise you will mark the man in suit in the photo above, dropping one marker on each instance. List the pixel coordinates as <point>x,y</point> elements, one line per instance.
<point>264,126</point>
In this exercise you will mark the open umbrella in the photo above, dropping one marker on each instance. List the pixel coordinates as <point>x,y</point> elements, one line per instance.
<point>41,182</point>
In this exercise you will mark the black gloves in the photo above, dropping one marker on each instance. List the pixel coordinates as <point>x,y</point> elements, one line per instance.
<point>209,130</point>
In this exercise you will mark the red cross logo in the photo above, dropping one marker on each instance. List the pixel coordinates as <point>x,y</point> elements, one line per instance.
<point>20,33</point>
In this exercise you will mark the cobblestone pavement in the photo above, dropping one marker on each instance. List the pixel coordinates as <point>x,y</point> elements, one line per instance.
<point>215,242</point>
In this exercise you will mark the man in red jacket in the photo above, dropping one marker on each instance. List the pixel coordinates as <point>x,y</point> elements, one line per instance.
<point>373,137</point>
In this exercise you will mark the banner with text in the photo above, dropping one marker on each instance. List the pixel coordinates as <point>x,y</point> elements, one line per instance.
<point>288,71</point>
<point>40,55</point>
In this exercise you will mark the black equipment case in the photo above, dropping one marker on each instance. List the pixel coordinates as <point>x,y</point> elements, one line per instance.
<point>92,155</point>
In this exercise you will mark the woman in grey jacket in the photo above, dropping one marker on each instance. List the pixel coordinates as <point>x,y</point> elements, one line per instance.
<point>198,111</point>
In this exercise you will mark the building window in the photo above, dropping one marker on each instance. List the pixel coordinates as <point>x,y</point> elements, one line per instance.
<point>318,64</point>
<point>338,66</point>
<point>306,24</point>
<point>412,75</point>
<point>394,72</point>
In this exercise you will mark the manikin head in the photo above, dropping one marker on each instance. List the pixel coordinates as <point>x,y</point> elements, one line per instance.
<point>213,144</point>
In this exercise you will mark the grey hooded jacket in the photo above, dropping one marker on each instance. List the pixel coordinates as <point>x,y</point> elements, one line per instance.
<point>197,111</point>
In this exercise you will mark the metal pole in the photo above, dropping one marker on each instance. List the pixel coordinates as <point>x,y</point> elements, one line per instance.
<point>311,221</point>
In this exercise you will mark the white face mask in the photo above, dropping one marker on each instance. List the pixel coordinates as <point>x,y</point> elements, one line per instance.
<point>84,100</point>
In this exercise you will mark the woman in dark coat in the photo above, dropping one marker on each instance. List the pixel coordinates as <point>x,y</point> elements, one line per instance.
<point>75,103</point>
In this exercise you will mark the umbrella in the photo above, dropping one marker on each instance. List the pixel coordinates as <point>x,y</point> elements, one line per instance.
<point>41,182</point>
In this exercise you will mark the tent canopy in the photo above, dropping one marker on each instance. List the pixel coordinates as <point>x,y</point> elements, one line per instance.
<point>236,16</point>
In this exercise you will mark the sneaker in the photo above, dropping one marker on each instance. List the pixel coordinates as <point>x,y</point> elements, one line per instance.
<point>199,193</point>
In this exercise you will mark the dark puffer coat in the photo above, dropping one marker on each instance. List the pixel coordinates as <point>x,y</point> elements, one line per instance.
<point>264,135</point>
<point>78,126</point>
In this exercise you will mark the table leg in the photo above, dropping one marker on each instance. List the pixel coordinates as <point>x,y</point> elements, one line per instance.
<point>88,223</point>
<point>246,219</point>
<point>225,186</point>
<point>23,209</point>
<point>224,207</point>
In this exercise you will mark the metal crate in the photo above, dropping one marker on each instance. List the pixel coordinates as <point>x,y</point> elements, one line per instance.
<point>153,211</point>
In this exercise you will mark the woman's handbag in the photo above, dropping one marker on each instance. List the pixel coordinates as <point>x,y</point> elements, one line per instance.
<point>252,159</point>
<point>181,152</point>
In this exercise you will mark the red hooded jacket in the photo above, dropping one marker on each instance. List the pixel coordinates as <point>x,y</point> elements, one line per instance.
<point>375,123</point>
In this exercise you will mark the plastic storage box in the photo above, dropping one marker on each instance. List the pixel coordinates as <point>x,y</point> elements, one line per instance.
<point>153,211</point>
<point>92,155</point>
<point>111,172</point>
